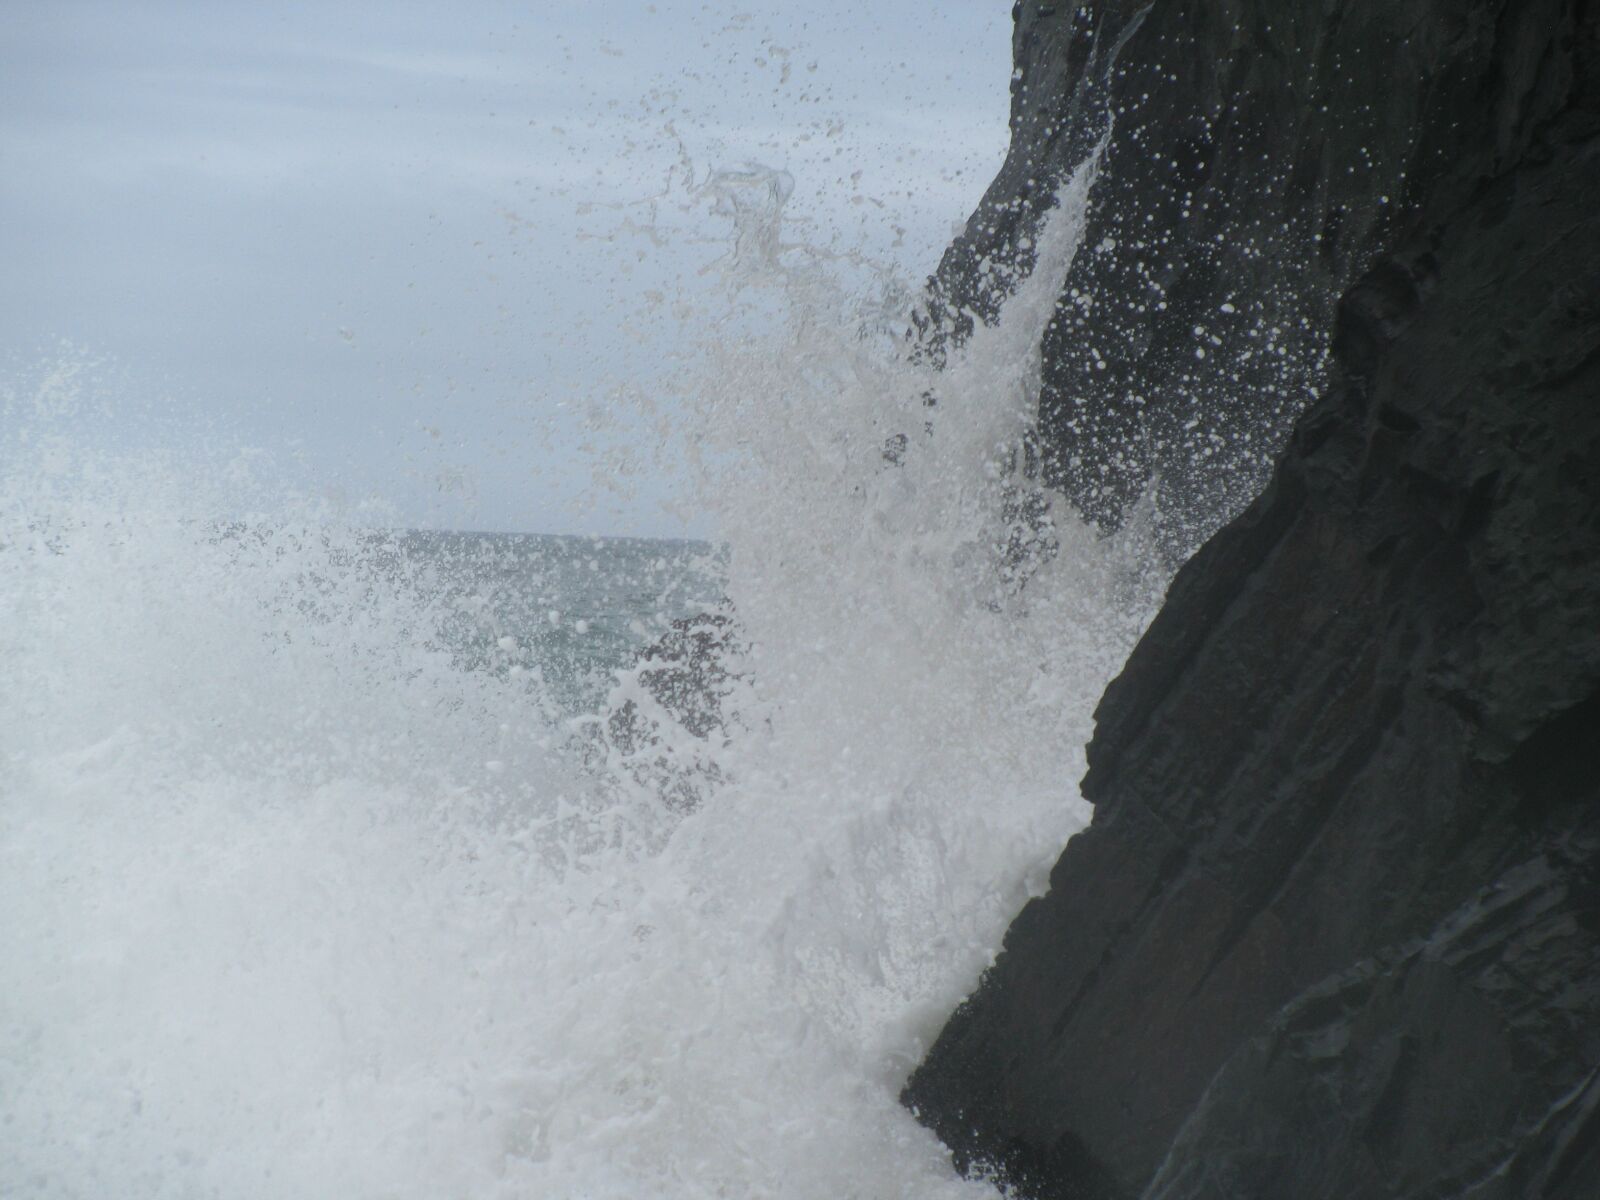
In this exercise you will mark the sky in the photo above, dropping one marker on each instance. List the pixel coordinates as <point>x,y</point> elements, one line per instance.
<point>407,249</point>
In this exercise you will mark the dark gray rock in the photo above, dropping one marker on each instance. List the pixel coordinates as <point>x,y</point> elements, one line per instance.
<point>1265,152</point>
<point>686,670</point>
<point>686,677</point>
<point>1335,928</point>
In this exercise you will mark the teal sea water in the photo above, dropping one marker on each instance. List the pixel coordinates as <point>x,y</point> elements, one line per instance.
<point>566,612</point>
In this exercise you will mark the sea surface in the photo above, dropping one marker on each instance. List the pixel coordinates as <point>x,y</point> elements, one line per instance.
<point>569,612</point>
<point>325,873</point>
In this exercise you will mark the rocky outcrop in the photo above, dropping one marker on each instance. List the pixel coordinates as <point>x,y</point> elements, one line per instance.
<point>1335,928</point>
<point>1264,155</point>
<point>667,717</point>
<point>686,672</point>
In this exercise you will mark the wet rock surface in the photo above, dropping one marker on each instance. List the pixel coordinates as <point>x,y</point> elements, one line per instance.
<point>1335,928</point>
<point>1264,156</point>
<point>663,732</point>
<point>686,671</point>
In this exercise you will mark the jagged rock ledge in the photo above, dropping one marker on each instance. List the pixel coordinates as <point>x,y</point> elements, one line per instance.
<point>1335,929</point>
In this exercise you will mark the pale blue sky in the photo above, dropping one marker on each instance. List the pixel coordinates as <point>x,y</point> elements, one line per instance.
<point>397,240</point>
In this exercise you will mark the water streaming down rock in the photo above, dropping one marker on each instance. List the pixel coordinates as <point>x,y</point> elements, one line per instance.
<point>1333,930</point>
<point>1264,156</point>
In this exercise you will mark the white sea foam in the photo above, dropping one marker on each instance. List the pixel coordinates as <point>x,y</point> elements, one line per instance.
<point>297,906</point>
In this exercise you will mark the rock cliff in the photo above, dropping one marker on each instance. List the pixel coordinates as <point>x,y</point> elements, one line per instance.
<point>1335,928</point>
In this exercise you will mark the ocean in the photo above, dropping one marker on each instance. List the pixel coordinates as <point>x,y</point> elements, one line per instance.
<point>327,873</point>
<point>568,613</point>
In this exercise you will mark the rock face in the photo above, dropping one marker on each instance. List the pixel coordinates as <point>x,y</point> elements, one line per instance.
<point>1265,153</point>
<point>662,734</point>
<point>1335,929</point>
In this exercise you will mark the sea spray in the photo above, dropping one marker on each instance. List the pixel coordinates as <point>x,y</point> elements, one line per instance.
<point>301,903</point>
